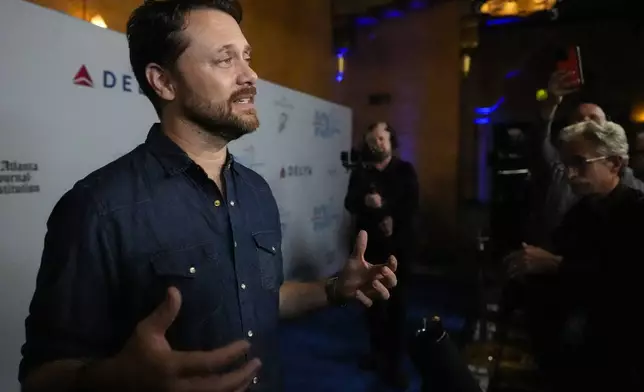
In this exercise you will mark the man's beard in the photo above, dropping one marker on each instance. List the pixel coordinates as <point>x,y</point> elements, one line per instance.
<point>378,156</point>
<point>219,120</point>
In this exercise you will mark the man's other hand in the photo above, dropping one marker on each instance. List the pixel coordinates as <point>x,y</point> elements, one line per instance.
<point>148,363</point>
<point>531,260</point>
<point>373,200</point>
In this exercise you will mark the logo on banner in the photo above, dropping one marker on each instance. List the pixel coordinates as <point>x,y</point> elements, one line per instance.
<point>83,78</point>
<point>285,106</point>
<point>325,216</point>
<point>125,83</point>
<point>296,171</point>
<point>17,178</point>
<point>324,125</point>
<point>282,122</point>
<point>248,158</point>
<point>284,103</point>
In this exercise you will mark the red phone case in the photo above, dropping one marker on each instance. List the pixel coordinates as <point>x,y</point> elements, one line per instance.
<point>573,64</point>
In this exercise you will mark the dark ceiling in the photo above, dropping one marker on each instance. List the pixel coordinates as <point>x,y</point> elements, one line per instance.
<point>577,9</point>
<point>358,7</point>
<point>351,15</point>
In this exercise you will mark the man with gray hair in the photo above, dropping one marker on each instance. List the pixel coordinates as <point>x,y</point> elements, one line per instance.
<point>596,260</point>
<point>553,193</point>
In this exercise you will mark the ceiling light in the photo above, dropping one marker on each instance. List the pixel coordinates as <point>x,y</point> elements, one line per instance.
<point>98,20</point>
<point>499,8</point>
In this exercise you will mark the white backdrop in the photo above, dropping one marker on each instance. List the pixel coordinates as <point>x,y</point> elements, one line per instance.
<point>70,104</point>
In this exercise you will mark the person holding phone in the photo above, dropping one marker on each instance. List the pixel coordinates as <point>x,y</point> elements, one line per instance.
<point>554,196</point>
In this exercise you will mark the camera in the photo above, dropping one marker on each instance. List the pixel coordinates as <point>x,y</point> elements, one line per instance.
<point>356,158</point>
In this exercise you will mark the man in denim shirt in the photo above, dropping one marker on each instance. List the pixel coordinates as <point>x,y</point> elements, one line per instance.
<point>162,271</point>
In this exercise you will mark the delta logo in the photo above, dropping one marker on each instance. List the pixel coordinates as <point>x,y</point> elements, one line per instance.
<point>109,80</point>
<point>296,171</point>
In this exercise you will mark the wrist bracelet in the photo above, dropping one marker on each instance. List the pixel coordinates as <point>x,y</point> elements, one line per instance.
<point>331,289</point>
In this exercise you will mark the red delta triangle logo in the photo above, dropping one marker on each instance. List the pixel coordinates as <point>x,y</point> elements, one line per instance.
<point>109,80</point>
<point>83,78</point>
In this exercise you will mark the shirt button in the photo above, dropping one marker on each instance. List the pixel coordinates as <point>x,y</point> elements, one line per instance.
<point>273,248</point>
<point>235,244</point>
<point>243,286</point>
<point>250,334</point>
<point>192,270</point>
<point>255,380</point>
<point>232,203</point>
<point>217,203</point>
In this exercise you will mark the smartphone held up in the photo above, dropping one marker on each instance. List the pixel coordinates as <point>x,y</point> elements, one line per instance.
<point>570,63</point>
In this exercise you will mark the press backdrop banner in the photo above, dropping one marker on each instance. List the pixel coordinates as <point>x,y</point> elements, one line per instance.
<point>69,104</point>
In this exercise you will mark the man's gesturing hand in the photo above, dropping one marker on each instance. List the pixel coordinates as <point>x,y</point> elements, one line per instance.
<point>364,281</point>
<point>150,364</point>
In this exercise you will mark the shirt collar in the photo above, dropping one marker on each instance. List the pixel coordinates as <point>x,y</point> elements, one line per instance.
<point>173,159</point>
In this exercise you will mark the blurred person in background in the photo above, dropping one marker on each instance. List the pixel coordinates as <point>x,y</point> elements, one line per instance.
<point>590,336</point>
<point>383,200</point>
<point>554,195</point>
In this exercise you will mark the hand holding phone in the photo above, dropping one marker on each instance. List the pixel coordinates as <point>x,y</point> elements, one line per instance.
<point>571,66</point>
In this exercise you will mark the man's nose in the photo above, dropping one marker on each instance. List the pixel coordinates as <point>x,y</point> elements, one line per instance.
<point>247,75</point>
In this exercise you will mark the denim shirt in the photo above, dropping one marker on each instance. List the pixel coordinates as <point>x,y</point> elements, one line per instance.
<point>150,220</point>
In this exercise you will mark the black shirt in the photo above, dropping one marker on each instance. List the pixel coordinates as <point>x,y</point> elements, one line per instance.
<point>150,220</point>
<point>600,284</point>
<point>397,183</point>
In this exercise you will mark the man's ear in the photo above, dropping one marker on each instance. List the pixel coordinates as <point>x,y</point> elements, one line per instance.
<point>160,81</point>
<point>619,163</point>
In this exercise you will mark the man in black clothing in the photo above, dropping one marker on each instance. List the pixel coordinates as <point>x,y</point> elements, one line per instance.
<point>383,198</point>
<point>553,194</point>
<point>594,339</point>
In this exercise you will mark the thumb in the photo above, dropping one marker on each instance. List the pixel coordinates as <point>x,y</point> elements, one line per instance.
<point>164,315</point>
<point>524,245</point>
<point>360,246</point>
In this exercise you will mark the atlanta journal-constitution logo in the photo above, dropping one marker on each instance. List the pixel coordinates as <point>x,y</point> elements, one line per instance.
<point>17,177</point>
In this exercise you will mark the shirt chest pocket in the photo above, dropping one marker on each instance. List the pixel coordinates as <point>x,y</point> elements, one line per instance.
<point>196,274</point>
<point>269,257</point>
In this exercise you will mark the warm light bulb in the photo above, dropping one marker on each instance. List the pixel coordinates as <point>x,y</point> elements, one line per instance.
<point>467,64</point>
<point>98,20</point>
<point>510,8</point>
<point>637,115</point>
<point>340,63</point>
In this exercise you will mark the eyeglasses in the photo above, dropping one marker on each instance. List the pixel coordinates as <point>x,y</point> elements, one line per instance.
<point>580,163</point>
